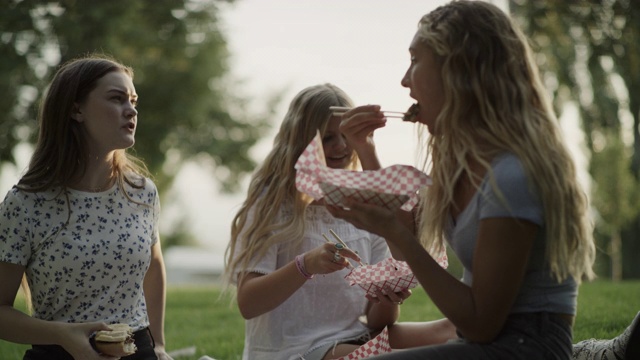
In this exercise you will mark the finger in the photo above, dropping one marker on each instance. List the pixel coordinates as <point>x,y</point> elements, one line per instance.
<point>361,129</point>
<point>356,120</point>
<point>348,253</point>
<point>405,293</point>
<point>372,298</point>
<point>359,206</point>
<point>99,326</point>
<point>394,297</point>
<point>356,123</point>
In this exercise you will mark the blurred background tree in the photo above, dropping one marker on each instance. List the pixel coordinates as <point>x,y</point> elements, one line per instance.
<point>188,107</point>
<point>589,54</point>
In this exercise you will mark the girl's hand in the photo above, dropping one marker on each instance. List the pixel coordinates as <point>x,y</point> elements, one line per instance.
<point>161,353</point>
<point>389,297</point>
<point>328,258</point>
<point>75,340</point>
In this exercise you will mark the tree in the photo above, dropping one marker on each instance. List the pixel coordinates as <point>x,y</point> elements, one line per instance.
<point>187,111</point>
<point>616,196</point>
<point>589,54</point>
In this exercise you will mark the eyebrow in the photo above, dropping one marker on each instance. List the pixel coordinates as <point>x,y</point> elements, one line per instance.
<point>120,91</point>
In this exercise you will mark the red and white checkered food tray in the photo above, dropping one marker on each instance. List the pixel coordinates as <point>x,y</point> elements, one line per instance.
<point>389,274</point>
<point>376,346</point>
<point>391,184</point>
<point>335,195</point>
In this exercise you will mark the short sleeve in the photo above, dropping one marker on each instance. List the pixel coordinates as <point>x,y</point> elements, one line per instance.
<point>15,243</point>
<point>517,198</point>
<point>379,250</point>
<point>265,264</point>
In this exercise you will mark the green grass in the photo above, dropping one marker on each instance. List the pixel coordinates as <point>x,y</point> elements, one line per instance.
<point>200,317</point>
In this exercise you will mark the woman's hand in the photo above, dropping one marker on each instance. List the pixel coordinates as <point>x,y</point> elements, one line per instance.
<point>359,123</point>
<point>389,297</point>
<point>357,126</point>
<point>328,258</point>
<point>74,338</point>
<point>383,309</point>
<point>372,218</point>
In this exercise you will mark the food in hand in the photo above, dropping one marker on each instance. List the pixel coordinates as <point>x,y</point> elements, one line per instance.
<point>412,114</point>
<point>116,342</point>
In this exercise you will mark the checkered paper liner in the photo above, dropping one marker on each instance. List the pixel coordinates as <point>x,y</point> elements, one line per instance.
<point>335,195</point>
<point>376,346</point>
<point>388,186</point>
<point>387,274</point>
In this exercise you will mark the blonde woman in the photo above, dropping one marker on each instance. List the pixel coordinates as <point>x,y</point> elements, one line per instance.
<point>505,195</point>
<point>82,223</point>
<point>290,281</point>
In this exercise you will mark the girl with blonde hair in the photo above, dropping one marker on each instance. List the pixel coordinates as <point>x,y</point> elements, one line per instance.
<point>505,195</point>
<point>290,281</point>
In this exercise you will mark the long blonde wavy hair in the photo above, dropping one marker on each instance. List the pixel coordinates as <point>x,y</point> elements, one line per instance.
<point>495,102</point>
<point>272,187</point>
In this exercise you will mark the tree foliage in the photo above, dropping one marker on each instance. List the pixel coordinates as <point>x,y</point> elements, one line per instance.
<point>589,54</point>
<point>187,110</point>
<point>616,196</point>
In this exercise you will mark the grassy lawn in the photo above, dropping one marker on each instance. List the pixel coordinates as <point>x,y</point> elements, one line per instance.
<point>201,317</point>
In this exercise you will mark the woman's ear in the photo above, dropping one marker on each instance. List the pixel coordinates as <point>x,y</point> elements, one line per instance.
<point>76,113</point>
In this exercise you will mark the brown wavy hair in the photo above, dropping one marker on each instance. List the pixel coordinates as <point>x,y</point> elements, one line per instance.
<point>60,155</point>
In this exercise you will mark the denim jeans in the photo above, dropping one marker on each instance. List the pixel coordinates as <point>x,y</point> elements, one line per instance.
<point>143,340</point>
<point>526,336</point>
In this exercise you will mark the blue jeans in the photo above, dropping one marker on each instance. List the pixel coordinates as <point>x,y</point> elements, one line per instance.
<point>527,336</point>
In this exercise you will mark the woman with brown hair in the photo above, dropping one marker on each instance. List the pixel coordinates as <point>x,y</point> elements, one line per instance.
<point>82,223</point>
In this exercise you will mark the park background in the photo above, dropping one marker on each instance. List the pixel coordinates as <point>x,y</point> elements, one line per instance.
<point>216,77</point>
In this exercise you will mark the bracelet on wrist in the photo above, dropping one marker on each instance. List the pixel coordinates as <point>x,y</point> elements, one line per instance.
<point>301,269</point>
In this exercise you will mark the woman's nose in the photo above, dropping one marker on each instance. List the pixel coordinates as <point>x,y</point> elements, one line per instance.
<point>131,111</point>
<point>405,80</point>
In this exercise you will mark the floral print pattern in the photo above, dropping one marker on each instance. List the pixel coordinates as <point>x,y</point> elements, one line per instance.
<point>86,254</point>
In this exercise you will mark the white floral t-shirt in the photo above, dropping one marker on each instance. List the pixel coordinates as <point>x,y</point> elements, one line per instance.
<point>93,268</point>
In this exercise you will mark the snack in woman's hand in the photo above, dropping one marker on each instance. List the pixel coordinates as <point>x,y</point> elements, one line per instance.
<point>116,342</point>
<point>412,114</point>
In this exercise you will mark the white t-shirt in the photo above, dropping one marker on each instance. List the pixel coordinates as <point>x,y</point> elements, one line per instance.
<point>326,308</point>
<point>92,269</point>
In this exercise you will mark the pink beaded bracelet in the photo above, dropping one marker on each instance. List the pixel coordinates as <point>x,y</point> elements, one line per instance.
<point>300,267</point>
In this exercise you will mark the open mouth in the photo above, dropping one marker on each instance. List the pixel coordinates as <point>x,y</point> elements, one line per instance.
<point>412,113</point>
